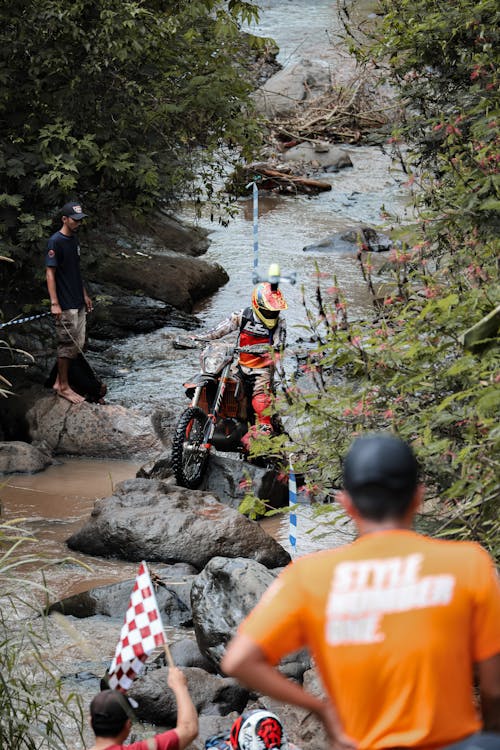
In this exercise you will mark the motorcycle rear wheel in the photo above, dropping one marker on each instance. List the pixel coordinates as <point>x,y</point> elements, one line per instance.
<point>189,454</point>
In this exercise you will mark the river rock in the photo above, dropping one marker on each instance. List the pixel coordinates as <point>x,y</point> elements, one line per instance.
<point>177,280</point>
<point>221,597</point>
<point>350,242</point>
<point>186,653</point>
<point>118,314</point>
<point>281,93</point>
<point>228,479</point>
<point>17,457</point>
<point>106,431</point>
<point>323,156</point>
<point>152,520</point>
<point>172,589</point>
<point>156,233</point>
<point>211,694</point>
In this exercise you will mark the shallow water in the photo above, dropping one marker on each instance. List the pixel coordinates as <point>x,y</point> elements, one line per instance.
<point>151,372</point>
<point>53,505</point>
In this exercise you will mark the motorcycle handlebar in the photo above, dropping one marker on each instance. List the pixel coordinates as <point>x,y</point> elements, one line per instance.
<point>195,342</point>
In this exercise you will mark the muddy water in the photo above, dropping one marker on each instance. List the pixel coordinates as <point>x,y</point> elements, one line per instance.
<point>54,504</point>
<point>58,501</point>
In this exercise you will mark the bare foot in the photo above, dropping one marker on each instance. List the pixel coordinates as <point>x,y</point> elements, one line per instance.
<point>69,394</point>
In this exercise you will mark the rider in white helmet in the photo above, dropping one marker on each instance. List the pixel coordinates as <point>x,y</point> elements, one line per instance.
<point>253,730</point>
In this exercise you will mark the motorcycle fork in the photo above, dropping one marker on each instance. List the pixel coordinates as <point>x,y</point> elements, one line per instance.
<point>214,412</point>
<point>197,394</point>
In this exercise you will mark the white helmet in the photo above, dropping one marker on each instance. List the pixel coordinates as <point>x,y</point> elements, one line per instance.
<point>258,730</point>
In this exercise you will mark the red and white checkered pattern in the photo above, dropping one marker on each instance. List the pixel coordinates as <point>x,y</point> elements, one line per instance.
<point>142,631</point>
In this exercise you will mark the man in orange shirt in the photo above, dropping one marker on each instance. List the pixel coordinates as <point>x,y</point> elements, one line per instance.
<point>396,622</point>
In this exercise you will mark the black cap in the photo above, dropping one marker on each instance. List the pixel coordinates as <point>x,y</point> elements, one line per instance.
<point>73,210</point>
<point>380,459</point>
<point>109,711</point>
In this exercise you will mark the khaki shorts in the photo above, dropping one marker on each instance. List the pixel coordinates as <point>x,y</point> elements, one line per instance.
<point>70,331</point>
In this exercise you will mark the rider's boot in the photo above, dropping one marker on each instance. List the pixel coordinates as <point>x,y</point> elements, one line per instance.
<point>262,403</point>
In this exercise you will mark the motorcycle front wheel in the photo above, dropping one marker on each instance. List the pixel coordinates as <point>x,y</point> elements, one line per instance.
<point>189,453</point>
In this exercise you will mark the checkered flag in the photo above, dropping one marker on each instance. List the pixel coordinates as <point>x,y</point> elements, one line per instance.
<point>142,631</point>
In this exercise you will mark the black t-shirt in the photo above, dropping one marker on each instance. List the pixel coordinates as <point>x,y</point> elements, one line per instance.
<point>63,253</point>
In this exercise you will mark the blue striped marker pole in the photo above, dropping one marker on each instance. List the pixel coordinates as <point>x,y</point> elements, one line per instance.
<point>255,230</point>
<point>292,500</point>
<point>18,321</point>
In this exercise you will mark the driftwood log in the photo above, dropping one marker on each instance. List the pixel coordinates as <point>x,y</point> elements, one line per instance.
<point>268,178</point>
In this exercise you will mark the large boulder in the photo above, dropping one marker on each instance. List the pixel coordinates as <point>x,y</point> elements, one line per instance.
<point>186,653</point>
<point>17,457</point>
<point>221,597</point>
<point>175,279</point>
<point>85,429</point>
<point>172,589</point>
<point>319,155</point>
<point>228,479</point>
<point>350,242</point>
<point>118,314</point>
<point>152,520</point>
<point>158,232</point>
<point>210,694</point>
<point>280,94</point>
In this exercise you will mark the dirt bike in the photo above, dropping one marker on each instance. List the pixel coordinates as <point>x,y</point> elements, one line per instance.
<point>218,416</point>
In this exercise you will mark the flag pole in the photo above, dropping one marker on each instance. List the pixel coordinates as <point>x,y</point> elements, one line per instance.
<point>166,647</point>
<point>168,655</point>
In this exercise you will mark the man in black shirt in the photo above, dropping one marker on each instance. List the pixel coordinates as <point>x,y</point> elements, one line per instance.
<point>69,301</point>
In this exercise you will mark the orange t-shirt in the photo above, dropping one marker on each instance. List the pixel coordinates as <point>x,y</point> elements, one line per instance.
<point>394,623</point>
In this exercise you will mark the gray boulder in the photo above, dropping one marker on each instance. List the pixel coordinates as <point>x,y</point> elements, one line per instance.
<point>86,429</point>
<point>280,94</point>
<point>172,589</point>
<point>17,457</point>
<point>152,520</point>
<point>365,238</point>
<point>211,694</point>
<point>226,478</point>
<point>320,155</point>
<point>221,597</point>
<point>125,313</point>
<point>186,653</point>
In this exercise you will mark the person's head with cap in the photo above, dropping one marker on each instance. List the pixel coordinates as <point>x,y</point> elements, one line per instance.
<point>73,210</point>
<point>381,477</point>
<point>111,714</point>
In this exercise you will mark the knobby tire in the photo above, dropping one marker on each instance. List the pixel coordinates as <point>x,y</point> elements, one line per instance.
<point>189,459</point>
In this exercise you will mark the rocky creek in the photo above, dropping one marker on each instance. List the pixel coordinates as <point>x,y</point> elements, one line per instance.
<point>143,372</point>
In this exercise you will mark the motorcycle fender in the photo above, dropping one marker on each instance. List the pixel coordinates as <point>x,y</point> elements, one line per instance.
<point>199,380</point>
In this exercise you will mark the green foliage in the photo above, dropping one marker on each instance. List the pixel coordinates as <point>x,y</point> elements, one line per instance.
<point>121,104</point>
<point>36,713</point>
<point>407,370</point>
<point>443,57</point>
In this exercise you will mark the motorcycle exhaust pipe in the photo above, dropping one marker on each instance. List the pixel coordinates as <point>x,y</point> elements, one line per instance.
<point>229,442</point>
